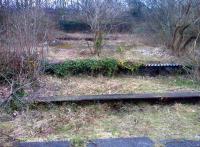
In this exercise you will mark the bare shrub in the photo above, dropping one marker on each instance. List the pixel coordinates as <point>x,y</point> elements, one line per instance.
<point>21,52</point>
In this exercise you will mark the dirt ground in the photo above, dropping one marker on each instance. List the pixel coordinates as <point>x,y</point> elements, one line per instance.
<point>119,46</point>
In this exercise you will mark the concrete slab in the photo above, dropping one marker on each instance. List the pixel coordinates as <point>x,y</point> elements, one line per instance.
<point>181,143</point>
<point>189,95</point>
<point>122,142</point>
<point>44,144</point>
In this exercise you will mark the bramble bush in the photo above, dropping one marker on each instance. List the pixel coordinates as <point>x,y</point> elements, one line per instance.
<point>20,54</point>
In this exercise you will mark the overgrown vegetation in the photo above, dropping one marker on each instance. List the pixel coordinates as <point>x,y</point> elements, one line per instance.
<point>130,67</point>
<point>24,42</point>
<point>80,123</point>
<point>20,54</point>
<point>106,67</point>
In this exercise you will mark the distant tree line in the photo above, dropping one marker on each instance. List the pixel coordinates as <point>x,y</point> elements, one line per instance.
<point>175,22</point>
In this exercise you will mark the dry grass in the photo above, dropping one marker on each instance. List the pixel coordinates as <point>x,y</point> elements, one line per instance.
<point>132,47</point>
<point>81,122</point>
<point>86,85</point>
<point>64,46</point>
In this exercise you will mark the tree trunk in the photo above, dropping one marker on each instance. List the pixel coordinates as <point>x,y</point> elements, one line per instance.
<point>188,41</point>
<point>178,38</point>
<point>98,42</point>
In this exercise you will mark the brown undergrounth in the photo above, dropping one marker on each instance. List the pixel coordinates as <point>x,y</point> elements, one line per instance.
<point>105,120</point>
<point>87,85</point>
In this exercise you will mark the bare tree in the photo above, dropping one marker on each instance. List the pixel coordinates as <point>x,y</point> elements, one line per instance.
<point>187,20</point>
<point>98,14</point>
<point>174,20</point>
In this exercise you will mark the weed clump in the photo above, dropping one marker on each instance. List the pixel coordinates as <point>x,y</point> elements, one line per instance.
<point>129,67</point>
